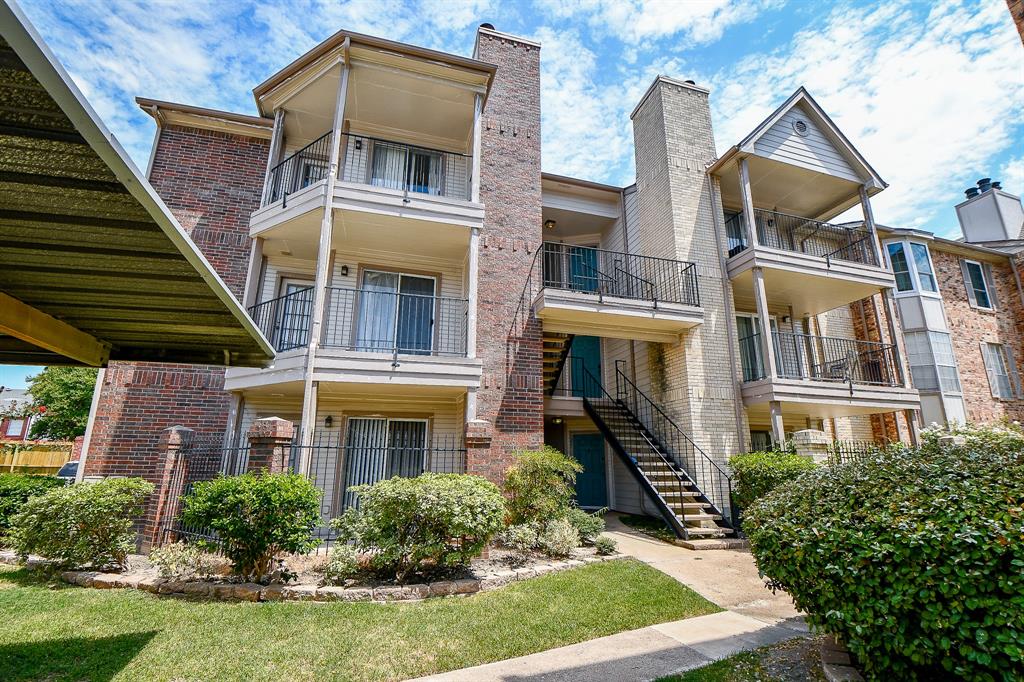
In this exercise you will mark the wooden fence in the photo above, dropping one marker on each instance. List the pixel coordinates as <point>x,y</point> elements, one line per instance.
<point>33,458</point>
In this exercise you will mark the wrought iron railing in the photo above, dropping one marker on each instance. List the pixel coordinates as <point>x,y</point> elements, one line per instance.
<point>388,322</point>
<point>623,275</point>
<point>802,235</point>
<point>285,320</point>
<point>822,358</point>
<point>300,169</point>
<point>712,480</point>
<point>574,381</point>
<point>405,167</point>
<point>847,451</point>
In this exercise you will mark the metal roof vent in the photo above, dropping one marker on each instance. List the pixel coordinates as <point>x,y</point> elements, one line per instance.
<point>800,127</point>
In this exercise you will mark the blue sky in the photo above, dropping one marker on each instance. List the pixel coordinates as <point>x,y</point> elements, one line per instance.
<point>930,92</point>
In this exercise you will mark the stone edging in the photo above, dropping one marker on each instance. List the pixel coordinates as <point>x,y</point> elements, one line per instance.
<point>837,663</point>
<point>254,592</point>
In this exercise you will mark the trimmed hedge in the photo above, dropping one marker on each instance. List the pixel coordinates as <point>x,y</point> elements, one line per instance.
<point>914,559</point>
<point>15,489</point>
<point>755,474</point>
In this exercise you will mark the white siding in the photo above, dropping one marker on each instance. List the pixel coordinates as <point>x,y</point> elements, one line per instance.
<point>782,143</point>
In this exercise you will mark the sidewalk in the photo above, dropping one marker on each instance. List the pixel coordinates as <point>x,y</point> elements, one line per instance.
<point>754,618</point>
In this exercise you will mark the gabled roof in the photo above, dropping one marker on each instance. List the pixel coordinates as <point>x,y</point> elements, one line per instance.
<point>821,120</point>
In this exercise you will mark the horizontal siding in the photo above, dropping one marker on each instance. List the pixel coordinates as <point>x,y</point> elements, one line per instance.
<point>815,152</point>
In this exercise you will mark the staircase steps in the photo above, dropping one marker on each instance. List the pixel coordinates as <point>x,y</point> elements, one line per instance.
<point>555,350</point>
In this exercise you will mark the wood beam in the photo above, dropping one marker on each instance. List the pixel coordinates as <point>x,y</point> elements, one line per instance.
<point>36,327</point>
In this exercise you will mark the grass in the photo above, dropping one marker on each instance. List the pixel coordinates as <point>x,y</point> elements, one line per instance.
<point>796,660</point>
<point>648,525</point>
<point>69,633</point>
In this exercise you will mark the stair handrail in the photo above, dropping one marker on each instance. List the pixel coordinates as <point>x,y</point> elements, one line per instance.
<point>721,496</point>
<point>672,466</point>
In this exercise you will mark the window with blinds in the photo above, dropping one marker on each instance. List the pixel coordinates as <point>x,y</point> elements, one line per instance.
<point>979,283</point>
<point>1002,372</point>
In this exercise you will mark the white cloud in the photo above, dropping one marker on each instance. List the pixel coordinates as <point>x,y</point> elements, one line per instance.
<point>1011,175</point>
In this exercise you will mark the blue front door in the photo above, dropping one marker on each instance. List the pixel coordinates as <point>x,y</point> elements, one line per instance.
<point>592,482</point>
<point>586,358</point>
<point>583,270</point>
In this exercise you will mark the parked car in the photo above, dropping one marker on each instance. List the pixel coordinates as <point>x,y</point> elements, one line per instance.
<point>68,472</point>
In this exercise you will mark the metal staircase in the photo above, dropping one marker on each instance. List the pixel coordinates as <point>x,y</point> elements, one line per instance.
<point>692,492</point>
<point>556,350</point>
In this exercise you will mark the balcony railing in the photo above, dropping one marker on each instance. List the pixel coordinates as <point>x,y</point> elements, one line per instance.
<point>802,235</point>
<point>388,322</point>
<point>405,167</point>
<point>579,378</point>
<point>822,358</point>
<point>301,169</point>
<point>285,320</point>
<point>624,275</point>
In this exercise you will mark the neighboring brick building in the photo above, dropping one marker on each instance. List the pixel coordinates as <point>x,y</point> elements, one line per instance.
<point>438,303</point>
<point>14,427</point>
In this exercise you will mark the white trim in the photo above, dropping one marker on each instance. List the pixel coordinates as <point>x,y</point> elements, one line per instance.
<point>90,424</point>
<point>915,277</point>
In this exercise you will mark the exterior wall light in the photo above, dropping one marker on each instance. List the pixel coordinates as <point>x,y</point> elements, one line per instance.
<point>328,421</point>
<point>549,224</point>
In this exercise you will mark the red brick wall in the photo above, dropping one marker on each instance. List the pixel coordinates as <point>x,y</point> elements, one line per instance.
<point>511,396</point>
<point>211,181</point>
<point>970,327</point>
<point>1016,8</point>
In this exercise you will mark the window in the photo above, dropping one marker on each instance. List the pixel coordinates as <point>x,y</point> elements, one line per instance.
<point>900,267</point>
<point>15,427</point>
<point>1002,374</point>
<point>913,272</point>
<point>932,363</point>
<point>397,166</point>
<point>979,284</point>
<point>396,312</point>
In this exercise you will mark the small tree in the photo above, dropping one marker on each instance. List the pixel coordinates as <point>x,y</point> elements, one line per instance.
<point>61,397</point>
<point>540,485</point>
<point>256,517</point>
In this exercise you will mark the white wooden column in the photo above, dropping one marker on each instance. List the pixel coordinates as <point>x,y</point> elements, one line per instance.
<point>895,339</point>
<point>276,145</point>
<point>254,276</point>
<point>90,424</point>
<point>778,429</point>
<point>748,201</point>
<point>473,277</point>
<point>869,222</point>
<point>323,260</point>
<point>764,323</point>
<point>474,193</point>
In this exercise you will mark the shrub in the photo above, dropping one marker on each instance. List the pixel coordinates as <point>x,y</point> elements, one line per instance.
<point>605,545</point>
<point>587,525</point>
<point>521,538</point>
<point>88,524</point>
<point>342,564</point>
<point>15,489</point>
<point>755,474</point>
<point>558,539</point>
<point>915,559</point>
<point>413,525</point>
<point>182,561</point>
<point>540,485</point>
<point>256,517</point>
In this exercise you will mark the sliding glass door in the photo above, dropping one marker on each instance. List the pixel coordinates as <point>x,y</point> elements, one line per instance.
<point>380,448</point>
<point>396,312</point>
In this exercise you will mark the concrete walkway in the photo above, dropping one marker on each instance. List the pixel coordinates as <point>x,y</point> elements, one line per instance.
<point>754,618</point>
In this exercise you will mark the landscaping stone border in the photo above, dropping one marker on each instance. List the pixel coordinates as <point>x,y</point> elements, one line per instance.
<point>254,592</point>
<point>837,663</point>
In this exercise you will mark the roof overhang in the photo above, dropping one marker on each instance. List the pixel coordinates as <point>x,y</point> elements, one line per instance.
<point>93,266</point>
<point>172,113</point>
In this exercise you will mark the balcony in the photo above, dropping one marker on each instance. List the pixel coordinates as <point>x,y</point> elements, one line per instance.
<point>824,376</point>
<point>813,265</point>
<point>606,293</point>
<point>379,181</point>
<point>372,335</point>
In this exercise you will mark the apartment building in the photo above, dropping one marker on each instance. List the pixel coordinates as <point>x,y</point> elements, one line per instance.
<point>960,306</point>
<point>437,302</point>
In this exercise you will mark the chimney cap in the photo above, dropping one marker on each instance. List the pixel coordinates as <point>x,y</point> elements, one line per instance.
<point>489,26</point>
<point>690,82</point>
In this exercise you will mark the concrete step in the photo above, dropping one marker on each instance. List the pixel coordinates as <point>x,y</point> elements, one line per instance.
<point>716,531</point>
<point>697,517</point>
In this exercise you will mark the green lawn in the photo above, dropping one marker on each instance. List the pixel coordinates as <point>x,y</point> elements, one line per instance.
<point>796,660</point>
<point>71,633</point>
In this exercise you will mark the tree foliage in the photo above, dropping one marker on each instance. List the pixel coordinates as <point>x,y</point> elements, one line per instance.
<point>62,397</point>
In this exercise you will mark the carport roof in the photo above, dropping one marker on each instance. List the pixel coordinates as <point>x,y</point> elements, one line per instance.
<point>93,266</point>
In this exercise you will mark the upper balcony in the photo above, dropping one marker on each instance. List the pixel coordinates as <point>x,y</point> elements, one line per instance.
<point>595,292</point>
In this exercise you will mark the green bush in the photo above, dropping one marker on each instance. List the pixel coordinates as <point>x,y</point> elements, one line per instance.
<point>415,525</point>
<point>914,559</point>
<point>182,561</point>
<point>342,564</point>
<point>256,516</point>
<point>755,474</point>
<point>521,538</point>
<point>588,525</point>
<point>558,539</point>
<point>15,489</point>
<point>540,485</point>
<point>605,545</point>
<point>88,524</point>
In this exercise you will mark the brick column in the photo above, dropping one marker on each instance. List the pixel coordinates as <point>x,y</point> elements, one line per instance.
<point>172,472</point>
<point>270,442</point>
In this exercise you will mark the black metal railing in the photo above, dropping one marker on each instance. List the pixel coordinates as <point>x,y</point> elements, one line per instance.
<point>300,169</point>
<point>712,480</point>
<point>405,167</point>
<point>624,275</point>
<point>802,235</point>
<point>577,380</point>
<point>285,320</point>
<point>847,451</point>
<point>389,322</point>
<point>822,358</point>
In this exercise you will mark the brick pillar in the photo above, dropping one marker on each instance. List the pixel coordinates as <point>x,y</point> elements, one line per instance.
<point>270,442</point>
<point>172,473</point>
